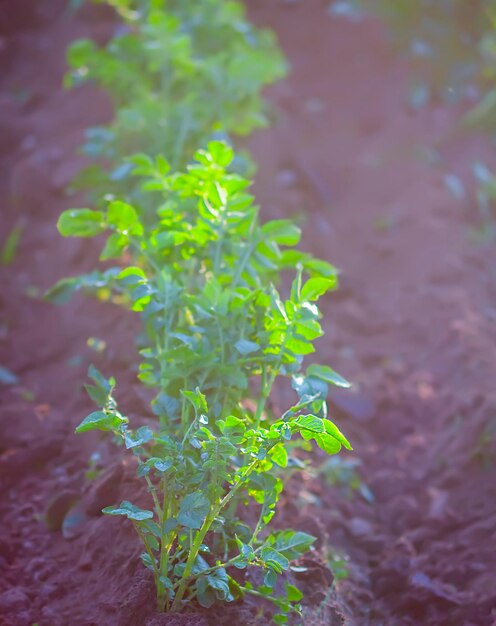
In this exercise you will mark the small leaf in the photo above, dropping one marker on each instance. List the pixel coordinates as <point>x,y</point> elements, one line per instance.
<point>141,436</point>
<point>333,430</point>
<point>327,443</point>
<point>193,510</point>
<point>243,346</point>
<point>283,232</point>
<point>327,374</point>
<point>270,578</point>
<point>129,510</point>
<point>274,559</point>
<point>231,426</point>
<point>132,276</point>
<point>114,246</point>
<point>167,583</point>
<point>197,399</point>
<point>147,561</point>
<point>245,550</point>
<point>293,594</point>
<point>293,544</point>
<point>122,216</point>
<point>279,455</point>
<point>81,223</point>
<point>161,465</point>
<point>170,524</point>
<point>311,422</point>
<point>221,153</point>
<point>98,420</point>
<point>10,246</point>
<point>316,287</point>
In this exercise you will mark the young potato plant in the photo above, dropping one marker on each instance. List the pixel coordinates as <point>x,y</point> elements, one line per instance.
<point>218,336</point>
<point>178,74</point>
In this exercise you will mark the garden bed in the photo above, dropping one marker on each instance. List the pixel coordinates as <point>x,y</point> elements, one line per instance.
<point>412,325</point>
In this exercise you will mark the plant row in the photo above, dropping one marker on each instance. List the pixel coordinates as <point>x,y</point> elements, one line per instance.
<point>206,275</point>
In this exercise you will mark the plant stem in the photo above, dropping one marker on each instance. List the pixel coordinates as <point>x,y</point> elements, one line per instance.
<point>193,553</point>
<point>200,536</point>
<point>258,526</point>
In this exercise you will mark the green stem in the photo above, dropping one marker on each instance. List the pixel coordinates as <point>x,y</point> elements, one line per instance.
<point>265,392</point>
<point>193,553</point>
<point>258,526</point>
<point>153,490</point>
<point>181,139</point>
<point>242,264</point>
<point>200,536</point>
<point>156,574</point>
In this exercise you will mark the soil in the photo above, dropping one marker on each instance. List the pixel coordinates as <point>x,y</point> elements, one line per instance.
<point>413,326</point>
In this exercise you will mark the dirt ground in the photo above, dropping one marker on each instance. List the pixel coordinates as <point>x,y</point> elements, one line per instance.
<point>413,326</point>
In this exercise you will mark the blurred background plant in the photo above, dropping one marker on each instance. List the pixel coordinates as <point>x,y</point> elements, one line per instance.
<point>452,44</point>
<point>178,75</point>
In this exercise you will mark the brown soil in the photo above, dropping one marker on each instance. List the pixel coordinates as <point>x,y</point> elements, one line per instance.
<point>413,326</point>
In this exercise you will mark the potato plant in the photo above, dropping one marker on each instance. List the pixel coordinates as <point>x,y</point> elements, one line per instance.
<point>218,335</point>
<point>179,73</point>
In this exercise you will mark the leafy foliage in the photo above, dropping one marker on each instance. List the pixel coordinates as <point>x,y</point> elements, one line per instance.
<point>204,284</point>
<point>192,257</point>
<point>178,73</point>
<point>192,481</point>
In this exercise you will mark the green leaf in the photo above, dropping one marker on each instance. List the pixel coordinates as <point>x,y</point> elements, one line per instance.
<point>102,389</point>
<point>63,290</point>
<point>315,287</point>
<point>327,374</point>
<point>293,544</point>
<point>99,420</point>
<point>243,346</point>
<point>333,430</point>
<point>270,578</point>
<point>141,436</point>
<point>161,465</point>
<point>205,596</point>
<point>114,246</point>
<point>316,267</point>
<point>274,559</point>
<point>293,594</point>
<point>79,52</point>
<point>279,455</point>
<point>284,232</point>
<point>123,217</point>
<point>147,561</point>
<point>193,510</point>
<point>213,587</point>
<point>81,223</point>
<point>232,425</point>
<point>10,246</point>
<point>170,524</point>
<point>245,550</point>
<point>309,386</point>
<point>220,152</point>
<point>327,443</point>
<point>132,276</point>
<point>129,510</point>
<point>197,399</point>
<point>311,422</point>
